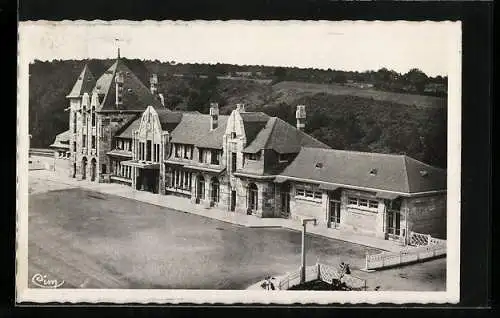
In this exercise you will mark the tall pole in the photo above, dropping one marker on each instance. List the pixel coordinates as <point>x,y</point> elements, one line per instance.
<point>303,258</point>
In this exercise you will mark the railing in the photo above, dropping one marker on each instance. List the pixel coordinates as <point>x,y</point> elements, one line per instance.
<point>321,272</point>
<point>434,248</point>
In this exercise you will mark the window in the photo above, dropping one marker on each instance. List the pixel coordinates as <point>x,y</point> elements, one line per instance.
<point>103,168</point>
<point>373,204</point>
<point>362,202</point>
<point>93,116</point>
<point>233,135</point>
<point>187,151</point>
<point>74,122</point>
<point>200,155</point>
<point>233,162</point>
<point>148,150</point>
<point>353,201</point>
<point>283,157</point>
<point>93,142</point>
<point>84,141</point>
<point>177,150</point>
<point>214,158</point>
<point>254,156</point>
<point>74,146</point>
<point>307,192</point>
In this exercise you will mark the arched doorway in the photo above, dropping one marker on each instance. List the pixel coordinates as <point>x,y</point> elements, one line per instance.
<point>84,167</point>
<point>200,188</point>
<point>253,197</point>
<point>74,170</point>
<point>93,164</point>
<point>214,190</point>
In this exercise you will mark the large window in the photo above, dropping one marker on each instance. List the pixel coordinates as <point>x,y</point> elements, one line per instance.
<point>93,142</point>
<point>177,151</point>
<point>148,150</point>
<point>181,179</point>
<point>188,152</point>
<point>93,116</point>
<point>84,141</point>
<point>362,202</point>
<point>307,192</point>
<point>214,159</point>
<point>233,162</point>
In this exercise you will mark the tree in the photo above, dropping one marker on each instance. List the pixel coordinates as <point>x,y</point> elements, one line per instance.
<point>416,78</point>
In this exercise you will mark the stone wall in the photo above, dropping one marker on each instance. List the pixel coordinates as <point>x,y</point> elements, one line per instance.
<point>427,215</point>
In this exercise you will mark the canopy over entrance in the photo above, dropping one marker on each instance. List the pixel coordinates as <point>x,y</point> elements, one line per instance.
<point>141,164</point>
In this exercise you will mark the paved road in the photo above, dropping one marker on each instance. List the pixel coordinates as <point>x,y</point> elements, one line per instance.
<point>94,240</point>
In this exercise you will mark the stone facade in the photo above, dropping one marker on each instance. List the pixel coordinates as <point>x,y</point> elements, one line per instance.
<point>238,181</point>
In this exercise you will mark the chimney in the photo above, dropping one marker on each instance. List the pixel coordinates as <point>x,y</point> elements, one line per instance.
<point>153,84</point>
<point>240,108</point>
<point>300,115</point>
<point>214,116</point>
<point>119,88</point>
<point>162,99</point>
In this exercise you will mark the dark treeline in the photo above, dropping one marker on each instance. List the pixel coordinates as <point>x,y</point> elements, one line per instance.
<point>343,122</point>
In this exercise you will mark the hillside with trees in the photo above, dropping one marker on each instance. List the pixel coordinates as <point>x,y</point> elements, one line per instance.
<point>381,111</point>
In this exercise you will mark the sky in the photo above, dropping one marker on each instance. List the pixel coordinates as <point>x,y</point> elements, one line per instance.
<point>340,45</point>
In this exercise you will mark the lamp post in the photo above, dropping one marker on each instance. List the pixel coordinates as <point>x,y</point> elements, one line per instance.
<point>303,258</point>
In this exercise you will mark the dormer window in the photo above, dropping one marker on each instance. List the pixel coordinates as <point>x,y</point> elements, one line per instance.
<point>283,157</point>
<point>233,135</point>
<point>373,172</point>
<point>319,165</point>
<point>254,156</point>
<point>424,173</point>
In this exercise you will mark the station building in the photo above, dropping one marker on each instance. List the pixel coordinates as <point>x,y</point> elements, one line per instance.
<point>246,162</point>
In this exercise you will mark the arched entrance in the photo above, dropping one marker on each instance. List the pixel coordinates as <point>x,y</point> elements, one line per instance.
<point>214,190</point>
<point>200,188</point>
<point>93,164</point>
<point>84,167</point>
<point>253,197</point>
<point>74,170</point>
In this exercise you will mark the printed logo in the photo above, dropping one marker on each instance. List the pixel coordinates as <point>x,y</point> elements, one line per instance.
<point>44,282</point>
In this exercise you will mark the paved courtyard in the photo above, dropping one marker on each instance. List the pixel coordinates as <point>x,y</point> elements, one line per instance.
<point>95,240</point>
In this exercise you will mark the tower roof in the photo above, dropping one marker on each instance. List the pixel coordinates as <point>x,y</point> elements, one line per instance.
<point>136,96</point>
<point>84,83</point>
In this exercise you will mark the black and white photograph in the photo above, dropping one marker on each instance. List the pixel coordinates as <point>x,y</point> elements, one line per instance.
<point>239,162</point>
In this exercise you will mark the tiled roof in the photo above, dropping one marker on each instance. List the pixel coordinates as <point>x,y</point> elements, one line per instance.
<point>61,140</point>
<point>253,123</point>
<point>136,96</point>
<point>398,173</point>
<point>128,129</point>
<point>169,119</point>
<point>282,138</point>
<point>194,129</point>
<point>84,83</point>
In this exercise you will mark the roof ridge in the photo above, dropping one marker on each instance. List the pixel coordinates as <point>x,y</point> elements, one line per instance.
<point>111,82</point>
<point>407,176</point>
<point>360,152</point>
<point>424,164</point>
